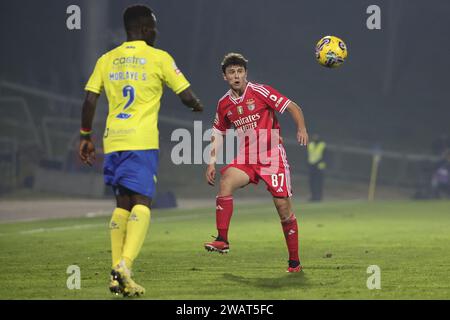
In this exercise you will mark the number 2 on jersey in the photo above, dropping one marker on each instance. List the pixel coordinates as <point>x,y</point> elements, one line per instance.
<point>127,91</point>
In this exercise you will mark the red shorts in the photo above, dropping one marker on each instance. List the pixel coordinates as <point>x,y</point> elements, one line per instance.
<point>275,173</point>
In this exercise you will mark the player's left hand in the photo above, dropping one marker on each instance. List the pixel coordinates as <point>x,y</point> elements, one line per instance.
<point>86,151</point>
<point>302,137</point>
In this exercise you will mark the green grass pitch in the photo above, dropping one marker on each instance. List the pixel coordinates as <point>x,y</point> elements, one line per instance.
<point>409,241</point>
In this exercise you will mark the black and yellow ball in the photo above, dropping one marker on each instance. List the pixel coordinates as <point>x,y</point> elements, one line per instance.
<point>331,51</point>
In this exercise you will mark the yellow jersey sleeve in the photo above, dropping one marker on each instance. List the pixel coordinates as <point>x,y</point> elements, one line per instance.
<point>172,76</point>
<point>95,83</point>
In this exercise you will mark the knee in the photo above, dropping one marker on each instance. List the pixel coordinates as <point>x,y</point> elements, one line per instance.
<point>226,188</point>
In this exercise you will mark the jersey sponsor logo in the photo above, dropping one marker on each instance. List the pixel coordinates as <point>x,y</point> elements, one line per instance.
<point>229,113</point>
<point>129,60</point>
<point>111,133</point>
<point>246,120</point>
<point>246,123</point>
<point>280,189</point>
<point>278,102</point>
<point>177,71</point>
<point>123,115</point>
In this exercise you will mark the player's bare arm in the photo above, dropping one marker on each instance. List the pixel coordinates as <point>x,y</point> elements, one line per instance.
<point>216,143</point>
<point>297,114</point>
<point>86,148</point>
<point>190,100</point>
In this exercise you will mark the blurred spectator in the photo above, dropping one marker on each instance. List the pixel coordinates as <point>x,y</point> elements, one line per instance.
<point>440,181</point>
<point>423,186</point>
<point>440,145</point>
<point>317,165</point>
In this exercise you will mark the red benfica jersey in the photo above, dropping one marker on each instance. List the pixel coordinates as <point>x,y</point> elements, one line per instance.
<point>248,114</point>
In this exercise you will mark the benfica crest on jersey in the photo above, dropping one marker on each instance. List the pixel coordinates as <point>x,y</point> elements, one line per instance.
<point>250,104</point>
<point>240,109</point>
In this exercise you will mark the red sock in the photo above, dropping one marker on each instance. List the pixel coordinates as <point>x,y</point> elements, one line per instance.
<point>290,229</point>
<point>224,211</point>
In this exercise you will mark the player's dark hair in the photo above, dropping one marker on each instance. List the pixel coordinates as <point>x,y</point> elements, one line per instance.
<point>233,59</point>
<point>138,15</point>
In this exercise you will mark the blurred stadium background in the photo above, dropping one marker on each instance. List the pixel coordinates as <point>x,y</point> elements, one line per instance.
<point>390,97</point>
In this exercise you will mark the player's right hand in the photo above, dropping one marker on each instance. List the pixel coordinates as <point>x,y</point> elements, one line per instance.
<point>86,151</point>
<point>198,108</point>
<point>211,174</point>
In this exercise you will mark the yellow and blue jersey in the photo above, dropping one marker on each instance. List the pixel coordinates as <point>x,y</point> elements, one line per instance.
<point>133,76</point>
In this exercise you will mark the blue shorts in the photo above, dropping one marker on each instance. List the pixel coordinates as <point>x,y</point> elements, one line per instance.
<point>134,170</point>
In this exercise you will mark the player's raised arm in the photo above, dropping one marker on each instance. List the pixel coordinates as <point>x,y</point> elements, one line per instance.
<point>190,100</point>
<point>86,148</point>
<point>297,114</point>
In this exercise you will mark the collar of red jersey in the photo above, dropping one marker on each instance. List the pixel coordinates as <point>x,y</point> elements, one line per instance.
<point>238,100</point>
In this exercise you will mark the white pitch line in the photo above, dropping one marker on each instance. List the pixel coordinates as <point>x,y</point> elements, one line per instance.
<point>77,226</point>
<point>161,219</point>
<point>94,225</point>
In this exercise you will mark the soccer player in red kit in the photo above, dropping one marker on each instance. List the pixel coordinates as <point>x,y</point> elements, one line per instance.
<point>250,108</point>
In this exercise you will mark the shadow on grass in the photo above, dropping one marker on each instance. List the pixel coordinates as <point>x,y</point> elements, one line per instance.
<point>293,280</point>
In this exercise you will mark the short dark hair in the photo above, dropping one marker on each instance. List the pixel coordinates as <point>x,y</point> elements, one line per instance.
<point>233,59</point>
<point>137,15</point>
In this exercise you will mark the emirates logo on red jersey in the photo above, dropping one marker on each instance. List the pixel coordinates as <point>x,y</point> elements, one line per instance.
<point>246,120</point>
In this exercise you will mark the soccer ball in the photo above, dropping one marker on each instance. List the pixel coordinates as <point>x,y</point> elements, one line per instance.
<point>331,52</point>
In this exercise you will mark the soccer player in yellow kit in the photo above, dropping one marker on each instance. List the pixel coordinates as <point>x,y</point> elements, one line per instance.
<point>132,76</point>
